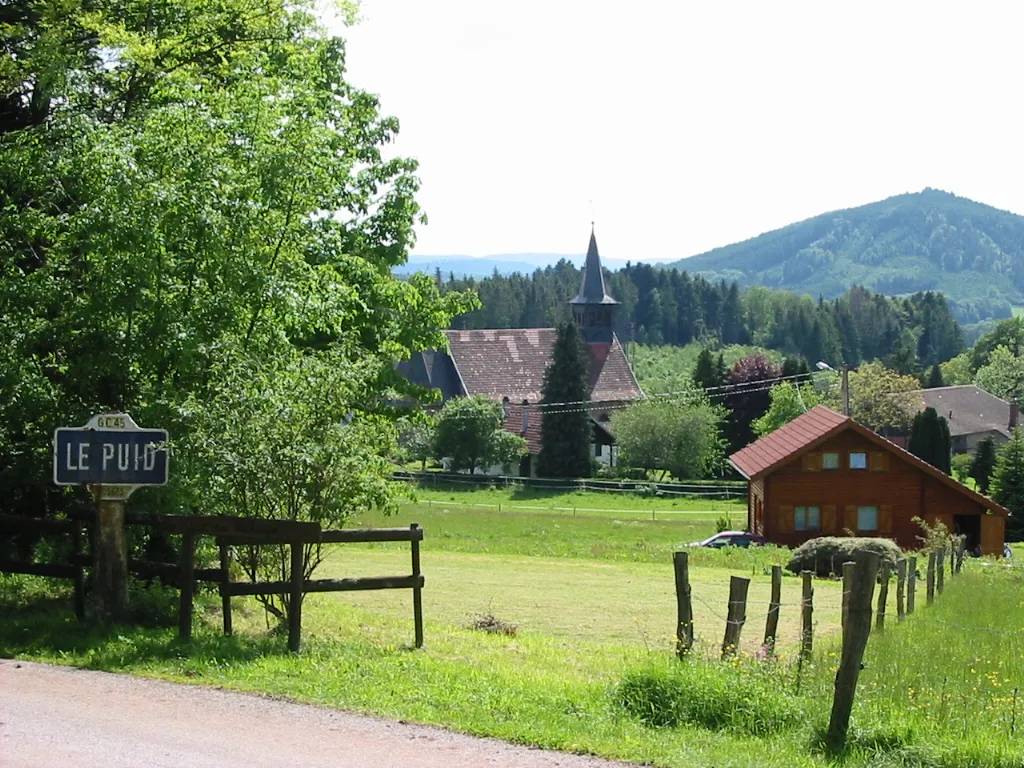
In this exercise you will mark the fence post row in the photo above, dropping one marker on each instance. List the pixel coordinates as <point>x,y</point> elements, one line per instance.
<point>849,569</point>
<point>911,584</point>
<point>901,579</point>
<point>931,578</point>
<point>883,596</point>
<point>807,614</point>
<point>855,638</point>
<point>771,627</point>
<point>736,616</point>
<point>684,604</point>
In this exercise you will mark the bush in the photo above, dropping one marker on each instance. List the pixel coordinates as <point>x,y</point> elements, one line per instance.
<point>961,465</point>
<point>826,555</point>
<point>721,524</point>
<point>717,697</point>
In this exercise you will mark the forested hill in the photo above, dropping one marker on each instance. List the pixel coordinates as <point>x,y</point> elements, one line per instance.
<point>666,306</point>
<point>929,240</point>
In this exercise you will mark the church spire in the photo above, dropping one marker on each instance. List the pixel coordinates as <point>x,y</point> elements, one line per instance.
<point>592,288</point>
<point>592,308</point>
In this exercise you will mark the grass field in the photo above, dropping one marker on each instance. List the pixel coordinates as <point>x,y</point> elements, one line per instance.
<point>593,598</point>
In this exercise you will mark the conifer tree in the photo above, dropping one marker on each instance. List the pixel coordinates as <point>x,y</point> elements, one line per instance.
<point>565,432</point>
<point>935,377</point>
<point>705,374</point>
<point>930,439</point>
<point>1008,483</point>
<point>984,463</point>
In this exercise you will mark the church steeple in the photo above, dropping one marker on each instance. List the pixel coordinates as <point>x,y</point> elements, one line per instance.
<point>593,308</point>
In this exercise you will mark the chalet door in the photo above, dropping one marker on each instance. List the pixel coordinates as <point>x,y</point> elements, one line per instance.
<point>992,534</point>
<point>969,526</point>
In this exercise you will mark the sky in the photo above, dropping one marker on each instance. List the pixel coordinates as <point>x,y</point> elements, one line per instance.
<point>681,126</point>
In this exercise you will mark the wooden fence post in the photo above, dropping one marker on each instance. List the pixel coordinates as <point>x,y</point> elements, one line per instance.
<point>931,578</point>
<point>961,546</point>
<point>940,570</point>
<point>883,597</point>
<point>807,614</point>
<point>76,553</point>
<point>225,597</point>
<point>295,597</point>
<point>855,638</point>
<point>187,576</point>
<point>848,572</point>
<point>736,615</point>
<point>684,605</point>
<point>901,581</point>
<point>771,626</point>
<point>417,593</point>
<point>911,584</point>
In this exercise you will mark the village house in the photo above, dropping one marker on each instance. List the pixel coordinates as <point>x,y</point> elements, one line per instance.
<point>972,414</point>
<point>823,473</point>
<point>508,365</point>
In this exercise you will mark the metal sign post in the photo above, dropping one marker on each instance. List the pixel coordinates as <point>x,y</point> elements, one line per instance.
<point>113,456</point>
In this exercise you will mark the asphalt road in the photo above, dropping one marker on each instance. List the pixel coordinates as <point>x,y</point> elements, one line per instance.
<point>70,718</point>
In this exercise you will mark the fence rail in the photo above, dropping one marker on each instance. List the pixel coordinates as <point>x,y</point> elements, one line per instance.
<point>228,532</point>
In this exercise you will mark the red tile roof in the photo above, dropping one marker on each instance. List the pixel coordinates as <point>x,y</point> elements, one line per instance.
<point>817,425</point>
<point>780,445</point>
<point>511,363</point>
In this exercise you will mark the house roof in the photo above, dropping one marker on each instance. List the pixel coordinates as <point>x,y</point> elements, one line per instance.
<point>968,409</point>
<point>511,363</point>
<point>819,424</point>
<point>592,289</point>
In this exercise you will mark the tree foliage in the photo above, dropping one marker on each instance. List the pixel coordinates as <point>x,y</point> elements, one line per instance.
<point>748,397</point>
<point>1008,483</point>
<point>881,398</point>
<point>788,400</point>
<point>198,226</point>
<point>470,436</point>
<point>565,432</point>
<point>680,437</point>
<point>930,440</point>
<point>1002,375</point>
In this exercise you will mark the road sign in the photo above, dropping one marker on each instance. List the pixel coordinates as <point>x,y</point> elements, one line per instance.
<point>111,451</point>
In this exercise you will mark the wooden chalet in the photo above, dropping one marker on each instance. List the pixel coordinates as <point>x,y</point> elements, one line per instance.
<point>508,365</point>
<point>823,474</point>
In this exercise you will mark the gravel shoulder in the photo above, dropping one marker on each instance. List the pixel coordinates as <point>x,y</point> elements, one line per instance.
<point>73,718</point>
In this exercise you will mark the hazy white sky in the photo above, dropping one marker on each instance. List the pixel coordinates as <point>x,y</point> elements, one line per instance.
<point>687,125</point>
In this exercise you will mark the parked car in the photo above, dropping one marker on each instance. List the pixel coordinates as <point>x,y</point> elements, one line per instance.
<point>731,539</point>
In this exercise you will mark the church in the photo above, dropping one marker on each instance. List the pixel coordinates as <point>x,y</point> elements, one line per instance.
<point>509,365</point>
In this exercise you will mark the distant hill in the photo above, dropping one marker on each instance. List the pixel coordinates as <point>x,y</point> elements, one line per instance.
<point>504,263</point>
<point>930,240</point>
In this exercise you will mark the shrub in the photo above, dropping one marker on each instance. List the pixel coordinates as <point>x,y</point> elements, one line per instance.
<point>495,626</point>
<point>717,697</point>
<point>961,465</point>
<point>721,524</point>
<point>826,555</point>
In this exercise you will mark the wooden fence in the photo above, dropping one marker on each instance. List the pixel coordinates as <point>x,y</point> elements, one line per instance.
<point>859,578</point>
<point>228,532</point>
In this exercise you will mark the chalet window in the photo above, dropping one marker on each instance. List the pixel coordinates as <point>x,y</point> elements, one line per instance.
<point>830,461</point>
<point>867,518</point>
<point>597,449</point>
<point>807,518</point>
<point>858,461</point>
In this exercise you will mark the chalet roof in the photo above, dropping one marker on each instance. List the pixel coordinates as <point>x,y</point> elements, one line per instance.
<point>592,289</point>
<point>511,363</point>
<point>816,426</point>
<point>968,409</point>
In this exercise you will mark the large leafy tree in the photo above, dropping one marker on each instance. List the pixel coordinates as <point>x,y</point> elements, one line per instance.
<point>930,440</point>
<point>1008,483</point>
<point>469,435</point>
<point>748,397</point>
<point>188,189</point>
<point>788,400</point>
<point>1003,375</point>
<point>681,437</point>
<point>881,398</point>
<point>565,430</point>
